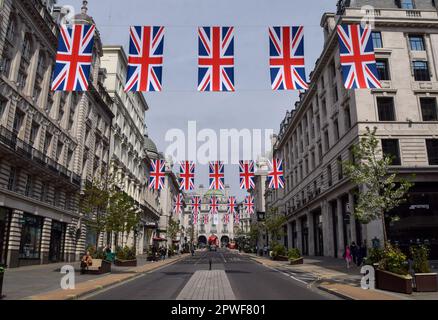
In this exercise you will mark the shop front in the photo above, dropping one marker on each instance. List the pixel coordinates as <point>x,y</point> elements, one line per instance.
<point>31,236</point>
<point>417,220</point>
<point>57,240</point>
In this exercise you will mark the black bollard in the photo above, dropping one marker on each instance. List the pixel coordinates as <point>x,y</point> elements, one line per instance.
<point>210,262</point>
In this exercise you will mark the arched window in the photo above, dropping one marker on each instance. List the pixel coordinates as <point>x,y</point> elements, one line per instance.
<point>41,64</point>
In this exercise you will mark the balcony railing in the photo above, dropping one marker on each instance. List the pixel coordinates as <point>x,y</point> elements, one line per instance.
<point>21,148</point>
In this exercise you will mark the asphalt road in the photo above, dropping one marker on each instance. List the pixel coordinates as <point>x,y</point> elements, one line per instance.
<point>249,281</point>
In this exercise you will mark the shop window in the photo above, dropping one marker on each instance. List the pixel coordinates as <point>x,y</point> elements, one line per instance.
<point>30,245</point>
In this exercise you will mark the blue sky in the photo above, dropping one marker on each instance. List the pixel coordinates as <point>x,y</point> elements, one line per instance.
<point>254,105</point>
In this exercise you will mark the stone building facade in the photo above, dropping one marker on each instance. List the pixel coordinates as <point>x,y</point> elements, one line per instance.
<point>216,226</point>
<point>51,142</point>
<point>129,150</point>
<point>318,134</point>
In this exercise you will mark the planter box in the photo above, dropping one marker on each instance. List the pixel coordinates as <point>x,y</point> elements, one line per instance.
<point>125,263</point>
<point>426,282</point>
<point>1,284</point>
<point>281,258</point>
<point>393,282</point>
<point>296,261</point>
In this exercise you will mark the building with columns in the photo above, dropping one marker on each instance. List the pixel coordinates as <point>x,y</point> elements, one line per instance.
<point>130,148</point>
<point>216,226</point>
<point>328,120</point>
<point>51,142</point>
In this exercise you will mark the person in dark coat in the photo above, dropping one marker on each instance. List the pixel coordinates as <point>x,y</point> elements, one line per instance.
<point>354,252</point>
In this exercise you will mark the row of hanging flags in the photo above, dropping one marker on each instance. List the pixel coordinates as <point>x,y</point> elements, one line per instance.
<point>215,58</point>
<point>214,204</point>
<point>216,175</point>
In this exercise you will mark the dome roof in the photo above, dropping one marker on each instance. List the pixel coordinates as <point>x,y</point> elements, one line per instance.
<point>150,148</point>
<point>216,193</point>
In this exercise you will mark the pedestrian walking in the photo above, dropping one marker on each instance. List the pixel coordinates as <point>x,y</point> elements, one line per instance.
<point>347,256</point>
<point>363,252</point>
<point>354,252</point>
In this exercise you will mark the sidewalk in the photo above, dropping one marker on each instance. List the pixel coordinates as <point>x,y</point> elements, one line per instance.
<point>331,275</point>
<point>42,282</point>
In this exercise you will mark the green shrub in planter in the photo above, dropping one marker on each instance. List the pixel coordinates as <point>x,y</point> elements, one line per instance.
<point>278,250</point>
<point>375,255</point>
<point>2,270</point>
<point>294,254</point>
<point>420,257</point>
<point>394,261</point>
<point>126,253</point>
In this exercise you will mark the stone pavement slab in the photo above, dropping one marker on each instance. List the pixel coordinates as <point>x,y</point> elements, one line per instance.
<point>98,283</point>
<point>357,293</point>
<point>207,285</point>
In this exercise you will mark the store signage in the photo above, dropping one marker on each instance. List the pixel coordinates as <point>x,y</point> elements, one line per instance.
<point>419,206</point>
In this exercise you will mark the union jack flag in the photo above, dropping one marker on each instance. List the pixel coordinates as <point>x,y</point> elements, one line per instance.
<point>195,218</point>
<point>217,175</point>
<point>196,205</point>
<point>231,205</point>
<point>357,57</point>
<point>74,58</point>
<point>206,219</point>
<point>249,204</point>
<point>187,176</point>
<point>157,174</point>
<point>236,218</point>
<point>214,205</point>
<point>226,219</point>
<point>145,61</point>
<point>246,170</point>
<point>178,204</point>
<point>216,59</point>
<point>275,176</point>
<point>288,71</point>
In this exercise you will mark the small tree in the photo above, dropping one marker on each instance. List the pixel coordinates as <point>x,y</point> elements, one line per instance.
<point>273,224</point>
<point>173,228</point>
<point>380,192</point>
<point>94,203</point>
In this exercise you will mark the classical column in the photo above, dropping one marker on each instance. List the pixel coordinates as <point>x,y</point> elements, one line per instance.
<point>340,216</point>
<point>12,260</point>
<point>352,218</point>
<point>289,235</point>
<point>299,243</point>
<point>311,226</point>
<point>45,240</point>
<point>327,231</point>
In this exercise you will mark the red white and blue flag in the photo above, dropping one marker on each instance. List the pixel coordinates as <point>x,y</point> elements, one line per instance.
<point>74,58</point>
<point>217,175</point>
<point>178,204</point>
<point>286,46</point>
<point>216,59</point>
<point>249,204</point>
<point>246,171</point>
<point>214,205</point>
<point>187,176</point>
<point>195,218</point>
<point>231,206</point>
<point>226,219</point>
<point>276,175</point>
<point>157,174</point>
<point>236,218</point>
<point>196,205</point>
<point>206,219</point>
<point>358,60</point>
<point>145,61</point>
